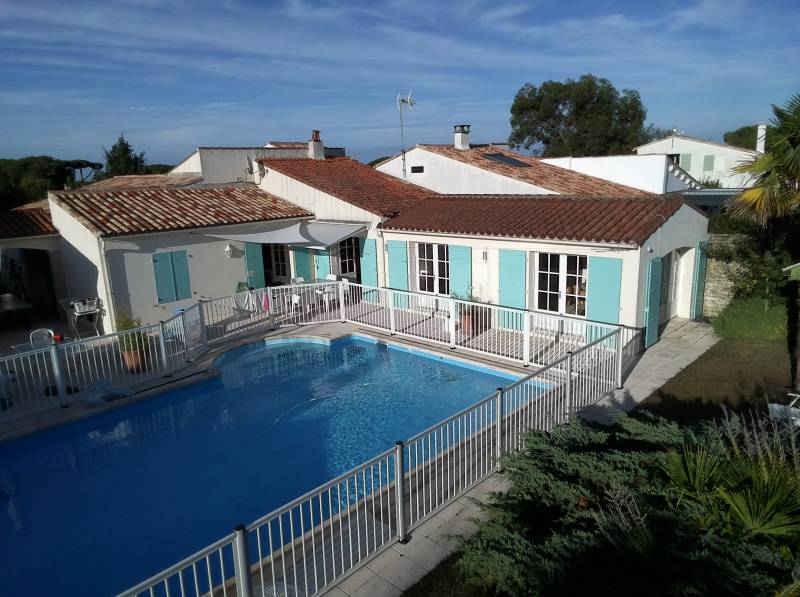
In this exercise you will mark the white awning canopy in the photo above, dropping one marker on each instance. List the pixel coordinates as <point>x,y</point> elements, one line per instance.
<point>312,235</point>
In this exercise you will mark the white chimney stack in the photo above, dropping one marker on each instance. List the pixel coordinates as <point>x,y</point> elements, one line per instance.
<point>316,149</point>
<point>761,138</point>
<point>461,132</point>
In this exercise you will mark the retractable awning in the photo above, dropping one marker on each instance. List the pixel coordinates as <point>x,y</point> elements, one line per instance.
<point>312,235</point>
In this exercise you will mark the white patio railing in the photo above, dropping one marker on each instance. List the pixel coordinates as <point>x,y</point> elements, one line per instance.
<point>308,544</point>
<point>109,364</point>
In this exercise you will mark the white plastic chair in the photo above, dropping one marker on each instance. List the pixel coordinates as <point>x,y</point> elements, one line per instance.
<point>298,280</point>
<point>295,302</point>
<point>332,277</point>
<point>41,338</point>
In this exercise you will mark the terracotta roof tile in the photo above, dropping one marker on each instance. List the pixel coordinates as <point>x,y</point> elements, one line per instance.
<point>32,219</point>
<point>623,220</point>
<point>535,171</point>
<point>351,181</point>
<point>137,211</point>
<point>145,181</point>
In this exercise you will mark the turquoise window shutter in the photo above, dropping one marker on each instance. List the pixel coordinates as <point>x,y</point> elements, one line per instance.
<point>686,161</point>
<point>512,278</point>
<point>512,286</point>
<point>165,282</point>
<point>460,271</point>
<point>604,289</point>
<point>254,265</point>
<point>652,302</point>
<point>369,262</point>
<point>180,273</point>
<point>322,262</point>
<point>303,266</point>
<point>398,264</point>
<point>699,279</point>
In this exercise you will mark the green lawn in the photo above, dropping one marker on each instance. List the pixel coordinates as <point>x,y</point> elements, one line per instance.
<point>749,365</point>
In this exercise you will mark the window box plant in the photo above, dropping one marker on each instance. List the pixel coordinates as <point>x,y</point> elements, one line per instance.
<point>134,345</point>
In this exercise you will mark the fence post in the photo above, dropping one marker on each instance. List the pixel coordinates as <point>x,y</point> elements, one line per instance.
<point>185,336</point>
<point>526,338</point>
<point>620,346</point>
<point>451,322</point>
<point>201,317</point>
<point>498,424</point>
<point>162,346</point>
<point>570,390</point>
<point>392,323</point>
<point>272,307</point>
<point>58,373</point>
<point>400,489</point>
<point>244,583</point>
<point>342,312</point>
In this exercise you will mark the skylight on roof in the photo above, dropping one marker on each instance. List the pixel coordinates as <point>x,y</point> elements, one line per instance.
<point>507,160</point>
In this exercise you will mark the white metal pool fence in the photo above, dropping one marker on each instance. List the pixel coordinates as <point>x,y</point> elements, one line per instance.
<point>306,545</point>
<point>109,364</point>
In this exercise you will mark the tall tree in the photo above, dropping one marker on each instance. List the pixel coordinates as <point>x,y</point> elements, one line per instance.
<point>121,159</point>
<point>745,136</point>
<point>581,118</point>
<point>28,179</point>
<point>775,198</point>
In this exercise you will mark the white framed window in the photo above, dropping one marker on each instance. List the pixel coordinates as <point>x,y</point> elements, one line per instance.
<point>433,268</point>
<point>280,261</point>
<point>561,282</point>
<point>348,256</point>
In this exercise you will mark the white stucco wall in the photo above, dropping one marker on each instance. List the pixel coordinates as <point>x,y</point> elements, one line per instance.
<point>83,271</point>
<point>683,230</point>
<point>446,175</point>
<point>486,274</point>
<point>211,273</point>
<point>725,158</point>
<point>189,164</point>
<point>649,173</point>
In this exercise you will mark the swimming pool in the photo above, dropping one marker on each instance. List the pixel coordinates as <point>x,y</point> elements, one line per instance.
<point>98,505</point>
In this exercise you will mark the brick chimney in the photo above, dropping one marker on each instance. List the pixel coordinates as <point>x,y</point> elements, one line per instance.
<point>316,149</point>
<point>461,133</point>
<point>761,138</point>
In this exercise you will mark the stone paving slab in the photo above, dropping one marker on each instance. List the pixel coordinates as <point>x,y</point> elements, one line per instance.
<point>403,565</point>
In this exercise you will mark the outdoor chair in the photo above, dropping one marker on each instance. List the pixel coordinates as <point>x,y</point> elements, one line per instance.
<point>41,338</point>
<point>298,280</point>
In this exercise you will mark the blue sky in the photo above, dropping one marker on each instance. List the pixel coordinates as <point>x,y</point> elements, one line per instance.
<point>175,75</point>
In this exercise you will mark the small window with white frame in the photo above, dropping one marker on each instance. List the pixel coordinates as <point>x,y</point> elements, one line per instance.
<point>549,282</point>
<point>280,261</point>
<point>561,282</point>
<point>575,291</point>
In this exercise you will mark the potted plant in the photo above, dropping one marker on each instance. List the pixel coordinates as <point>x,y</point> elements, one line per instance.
<point>474,317</point>
<point>134,345</point>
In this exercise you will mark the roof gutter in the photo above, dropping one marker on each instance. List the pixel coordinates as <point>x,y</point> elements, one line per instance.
<point>523,239</point>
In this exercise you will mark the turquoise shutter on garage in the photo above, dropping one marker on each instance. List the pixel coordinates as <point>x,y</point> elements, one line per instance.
<point>322,263</point>
<point>398,264</point>
<point>369,262</point>
<point>254,265</point>
<point>604,289</point>
<point>303,264</point>
<point>652,302</point>
<point>699,279</point>
<point>460,271</point>
<point>180,273</point>
<point>165,283</point>
<point>512,285</point>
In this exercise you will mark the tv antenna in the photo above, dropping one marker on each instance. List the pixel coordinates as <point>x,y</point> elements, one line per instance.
<point>401,103</point>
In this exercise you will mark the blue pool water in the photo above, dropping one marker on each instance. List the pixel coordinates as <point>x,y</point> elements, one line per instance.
<point>96,506</point>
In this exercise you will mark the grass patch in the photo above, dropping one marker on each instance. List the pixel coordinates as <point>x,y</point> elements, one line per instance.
<point>752,319</point>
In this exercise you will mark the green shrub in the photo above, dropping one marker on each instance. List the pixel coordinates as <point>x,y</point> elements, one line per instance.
<point>752,319</point>
<point>593,511</point>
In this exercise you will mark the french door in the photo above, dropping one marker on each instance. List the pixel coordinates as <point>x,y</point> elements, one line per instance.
<point>433,269</point>
<point>561,282</point>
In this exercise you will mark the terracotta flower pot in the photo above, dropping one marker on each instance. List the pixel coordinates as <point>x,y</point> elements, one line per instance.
<point>134,360</point>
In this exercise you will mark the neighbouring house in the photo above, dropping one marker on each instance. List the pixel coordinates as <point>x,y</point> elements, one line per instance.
<point>236,164</point>
<point>652,173</point>
<point>707,160</point>
<point>150,251</point>
<point>494,169</point>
